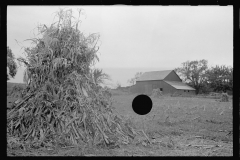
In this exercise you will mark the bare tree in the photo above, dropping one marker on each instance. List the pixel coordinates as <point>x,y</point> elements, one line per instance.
<point>132,81</point>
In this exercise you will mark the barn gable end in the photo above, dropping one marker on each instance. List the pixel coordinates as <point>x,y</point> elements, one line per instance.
<point>172,76</point>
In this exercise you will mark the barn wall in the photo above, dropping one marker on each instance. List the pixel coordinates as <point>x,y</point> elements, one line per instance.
<point>172,76</point>
<point>168,89</point>
<point>137,88</point>
<point>146,87</point>
<point>191,92</point>
<point>143,87</point>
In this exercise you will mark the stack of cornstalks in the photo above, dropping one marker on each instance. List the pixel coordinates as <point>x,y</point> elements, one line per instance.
<point>62,104</point>
<point>156,93</point>
<point>224,97</point>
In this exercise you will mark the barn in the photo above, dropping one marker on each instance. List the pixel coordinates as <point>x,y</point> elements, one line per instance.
<point>167,81</point>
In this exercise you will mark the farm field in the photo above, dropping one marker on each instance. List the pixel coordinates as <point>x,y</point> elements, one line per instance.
<point>176,126</point>
<point>184,126</point>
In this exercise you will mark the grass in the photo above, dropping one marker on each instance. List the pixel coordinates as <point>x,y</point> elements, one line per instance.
<point>181,111</point>
<point>194,127</point>
<point>191,121</point>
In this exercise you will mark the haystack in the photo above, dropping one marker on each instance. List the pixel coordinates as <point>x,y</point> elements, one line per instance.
<point>62,104</point>
<point>156,93</point>
<point>224,97</point>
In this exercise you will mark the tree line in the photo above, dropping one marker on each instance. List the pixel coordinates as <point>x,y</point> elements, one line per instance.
<point>206,79</point>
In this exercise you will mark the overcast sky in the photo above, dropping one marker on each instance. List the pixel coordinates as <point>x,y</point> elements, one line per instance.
<point>137,38</point>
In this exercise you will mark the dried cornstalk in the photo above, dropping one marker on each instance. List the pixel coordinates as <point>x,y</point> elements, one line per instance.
<point>62,99</point>
<point>104,136</point>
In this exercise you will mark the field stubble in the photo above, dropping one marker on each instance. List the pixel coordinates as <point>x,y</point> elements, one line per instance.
<point>176,126</point>
<point>183,126</point>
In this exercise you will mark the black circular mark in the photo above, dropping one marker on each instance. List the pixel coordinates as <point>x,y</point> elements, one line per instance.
<point>142,104</point>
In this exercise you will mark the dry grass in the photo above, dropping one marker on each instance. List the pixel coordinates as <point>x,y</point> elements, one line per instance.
<point>176,126</point>
<point>184,126</point>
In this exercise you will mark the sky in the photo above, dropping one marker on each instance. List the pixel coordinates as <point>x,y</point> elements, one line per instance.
<point>136,38</point>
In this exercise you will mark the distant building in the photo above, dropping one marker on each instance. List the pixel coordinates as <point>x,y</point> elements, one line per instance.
<point>167,81</point>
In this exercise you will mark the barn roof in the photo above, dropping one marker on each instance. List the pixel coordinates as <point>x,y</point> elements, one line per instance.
<point>154,75</point>
<point>179,85</point>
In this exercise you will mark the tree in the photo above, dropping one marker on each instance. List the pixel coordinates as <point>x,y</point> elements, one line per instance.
<point>220,78</point>
<point>132,81</point>
<point>11,64</point>
<point>194,73</point>
<point>99,76</point>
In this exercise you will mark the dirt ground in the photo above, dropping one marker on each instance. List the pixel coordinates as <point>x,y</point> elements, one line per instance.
<point>176,126</point>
